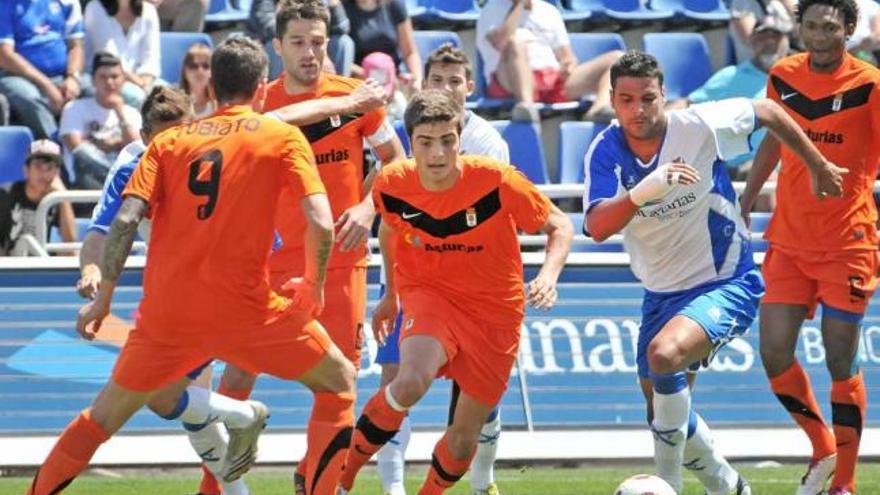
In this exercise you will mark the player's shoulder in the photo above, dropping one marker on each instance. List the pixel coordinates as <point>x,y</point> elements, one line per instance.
<point>483,169</point>
<point>791,65</point>
<point>863,70</point>
<point>396,172</point>
<point>607,145</point>
<point>334,84</point>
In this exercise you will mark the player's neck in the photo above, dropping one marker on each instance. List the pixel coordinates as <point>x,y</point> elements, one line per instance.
<point>434,185</point>
<point>292,86</point>
<point>646,148</point>
<point>825,68</point>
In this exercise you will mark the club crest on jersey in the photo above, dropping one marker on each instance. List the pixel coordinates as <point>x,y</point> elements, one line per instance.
<point>470,217</point>
<point>408,324</point>
<point>837,103</point>
<point>335,121</point>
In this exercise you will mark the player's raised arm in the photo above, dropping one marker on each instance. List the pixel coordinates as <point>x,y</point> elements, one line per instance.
<point>827,177</point>
<point>368,96</point>
<point>765,161</point>
<point>542,292</point>
<point>118,246</point>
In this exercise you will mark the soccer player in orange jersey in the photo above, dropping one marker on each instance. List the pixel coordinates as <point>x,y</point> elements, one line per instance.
<point>336,114</point>
<point>823,250</point>
<point>216,183</point>
<point>449,242</point>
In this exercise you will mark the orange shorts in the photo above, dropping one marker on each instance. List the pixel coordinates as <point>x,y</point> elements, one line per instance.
<point>480,354</point>
<point>345,307</point>
<point>155,357</point>
<point>841,280</point>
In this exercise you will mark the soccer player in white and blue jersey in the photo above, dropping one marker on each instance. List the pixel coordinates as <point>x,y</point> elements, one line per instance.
<point>660,178</point>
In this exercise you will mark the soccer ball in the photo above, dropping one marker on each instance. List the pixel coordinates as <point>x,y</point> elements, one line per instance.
<point>644,484</point>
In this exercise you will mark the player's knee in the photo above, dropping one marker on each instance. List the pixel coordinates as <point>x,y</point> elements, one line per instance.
<point>163,405</point>
<point>775,360</point>
<point>235,378</point>
<point>411,386</point>
<point>664,358</point>
<point>344,381</point>
<point>840,367</point>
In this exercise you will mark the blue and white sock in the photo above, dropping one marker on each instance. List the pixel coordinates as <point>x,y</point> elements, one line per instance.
<point>483,465</point>
<point>672,404</point>
<point>705,462</point>
<point>199,405</point>
<point>209,442</point>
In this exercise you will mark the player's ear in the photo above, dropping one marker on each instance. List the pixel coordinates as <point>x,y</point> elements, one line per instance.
<point>471,86</point>
<point>259,98</point>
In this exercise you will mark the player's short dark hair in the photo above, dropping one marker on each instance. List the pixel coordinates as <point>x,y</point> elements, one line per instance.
<point>431,106</point>
<point>635,63</point>
<point>848,8</point>
<point>104,59</point>
<point>447,53</point>
<point>237,67</point>
<point>165,104</point>
<point>299,10</point>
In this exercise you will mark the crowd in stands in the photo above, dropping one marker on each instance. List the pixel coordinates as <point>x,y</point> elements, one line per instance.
<point>74,73</point>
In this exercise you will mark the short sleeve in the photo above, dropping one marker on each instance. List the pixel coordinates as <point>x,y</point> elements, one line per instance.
<point>528,206</point>
<point>73,24</point>
<point>111,197</point>
<point>144,182</point>
<point>299,169</point>
<point>373,120</point>
<point>71,119</point>
<point>149,62</point>
<point>7,22</point>
<point>134,117</point>
<point>397,9</point>
<point>558,33</point>
<point>731,121</point>
<point>600,177</point>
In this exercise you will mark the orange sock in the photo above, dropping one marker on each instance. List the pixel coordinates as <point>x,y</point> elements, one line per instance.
<point>209,484</point>
<point>378,423</point>
<point>793,390</point>
<point>848,403</point>
<point>445,470</point>
<point>328,437</point>
<point>70,455</point>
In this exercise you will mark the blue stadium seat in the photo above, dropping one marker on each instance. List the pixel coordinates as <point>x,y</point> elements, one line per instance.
<point>587,46</point>
<point>400,129</point>
<point>456,11</point>
<point>82,227</point>
<point>428,41</point>
<point>221,11</point>
<point>632,11</point>
<point>684,58</point>
<point>479,99</point>
<point>526,151</point>
<point>574,140</point>
<point>569,15</point>
<point>759,223</point>
<point>15,144</point>
<point>173,47</point>
<point>706,10</point>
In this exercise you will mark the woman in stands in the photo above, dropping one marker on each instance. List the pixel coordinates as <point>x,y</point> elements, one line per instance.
<point>195,74</point>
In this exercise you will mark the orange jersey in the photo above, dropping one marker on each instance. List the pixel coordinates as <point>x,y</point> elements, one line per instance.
<point>840,113</point>
<point>462,242</point>
<point>338,144</point>
<point>213,187</point>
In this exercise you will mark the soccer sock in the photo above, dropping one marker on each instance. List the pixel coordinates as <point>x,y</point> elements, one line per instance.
<point>70,455</point>
<point>328,436</point>
<point>445,470</point>
<point>390,460</point>
<point>377,425</point>
<point>848,403</point>
<point>704,461</point>
<point>209,484</point>
<point>199,405</point>
<point>483,468</point>
<point>792,388</point>
<point>672,404</point>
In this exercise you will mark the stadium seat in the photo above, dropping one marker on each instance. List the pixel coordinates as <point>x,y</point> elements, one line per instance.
<point>574,140</point>
<point>428,41</point>
<point>15,144</point>
<point>569,15</point>
<point>456,11</point>
<point>587,46</point>
<point>706,10</point>
<point>400,129</point>
<point>221,11</point>
<point>173,47</point>
<point>82,227</point>
<point>684,58</point>
<point>526,151</point>
<point>632,11</point>
<point>479,99</point>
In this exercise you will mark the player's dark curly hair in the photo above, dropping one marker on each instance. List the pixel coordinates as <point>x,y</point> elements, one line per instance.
<point>636,63</point>
<point>848,8</point>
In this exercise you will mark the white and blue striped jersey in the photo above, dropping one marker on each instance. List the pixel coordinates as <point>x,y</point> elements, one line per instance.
<point>694,235</point>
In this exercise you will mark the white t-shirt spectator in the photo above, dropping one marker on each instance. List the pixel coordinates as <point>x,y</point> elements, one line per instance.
<point>757,9</point>
<point>868,10</point>
<point>138,49</point>
<point>91,120</point>
<point>479,138</point>
<point>542,29</point>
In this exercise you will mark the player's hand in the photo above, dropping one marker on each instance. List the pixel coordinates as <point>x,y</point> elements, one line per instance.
<point>306,295</point>
<point>368,96</point>
<point>90,317</point>
<point>384,316</point>
<point>89,282</point>
<point>541,292</point>
<point>828,180</point>
<point>353,226</point>
<point>659,182</point>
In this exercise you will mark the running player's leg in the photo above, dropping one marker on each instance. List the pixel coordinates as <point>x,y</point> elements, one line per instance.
<point>483,465</point>
<point>421,355</point>
<point>390,460</point>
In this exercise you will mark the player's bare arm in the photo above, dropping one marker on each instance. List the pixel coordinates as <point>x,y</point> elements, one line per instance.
<point>611,215</point>
<point>368,96</point>
<point>89,264</point>
<point>354,224</point>
<point>308,290</point>
<point>765,161</point>
<point>118,246</point>
<point>542,292</point>
<point>388,307</point>
<point>827,177</point>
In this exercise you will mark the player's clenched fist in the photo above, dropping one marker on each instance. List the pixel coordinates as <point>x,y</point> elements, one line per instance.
<point>306,295</point>
<point>541,293</point>
<point>656,184</point>
<point>828,180</point>
<point>90,317</point>
<point>384,316</point>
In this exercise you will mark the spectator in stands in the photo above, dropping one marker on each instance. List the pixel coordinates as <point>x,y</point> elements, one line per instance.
<point>186,16</point>
<point>18,207</point>
<point>94,130</point>
<point>128,29</point>
<point>865,40</point>
<point>41,60</point>
<point>745,15</point>
<point>384,26</point>
<point>380,67</point>
<point>528,57</point>
<point>340,48</point>
<point>768,43</point>
<point>195,76</point>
